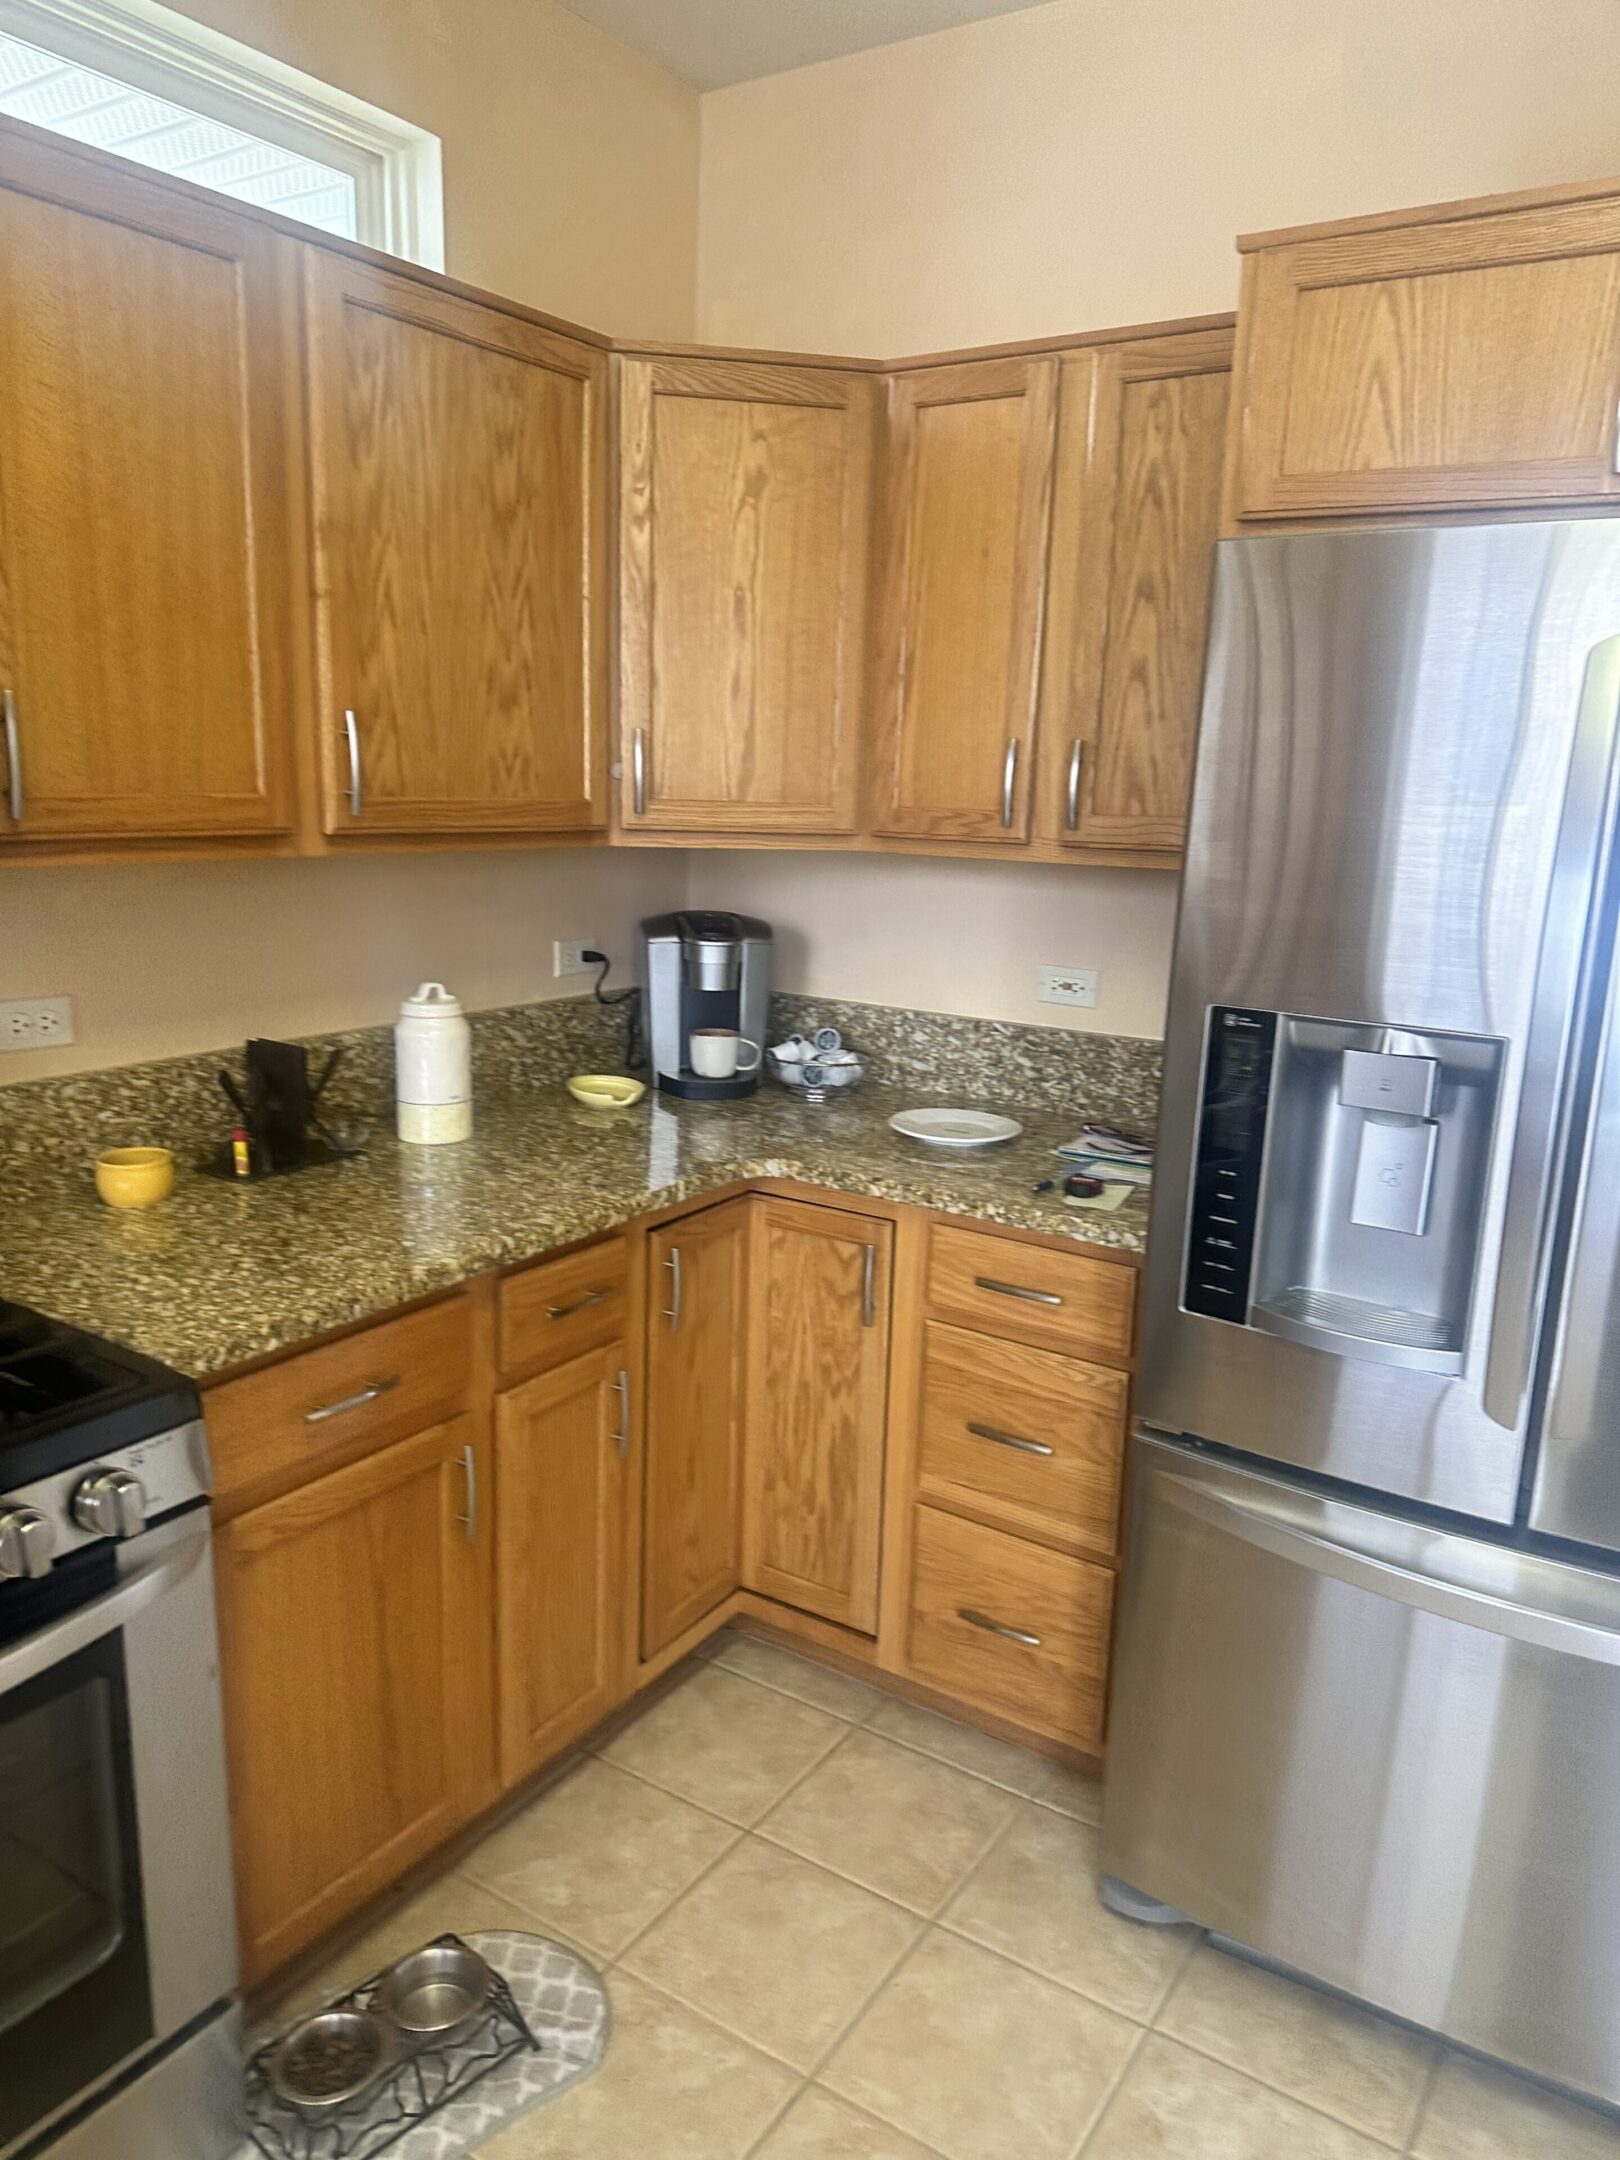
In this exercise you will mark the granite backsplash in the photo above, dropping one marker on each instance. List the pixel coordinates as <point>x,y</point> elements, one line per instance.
<point>178,1103</point>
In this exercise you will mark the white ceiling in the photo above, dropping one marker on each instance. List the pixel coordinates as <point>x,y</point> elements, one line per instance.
<point>712,42</point>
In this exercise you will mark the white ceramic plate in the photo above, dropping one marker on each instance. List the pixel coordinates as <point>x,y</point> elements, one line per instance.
<point>955,1128</point>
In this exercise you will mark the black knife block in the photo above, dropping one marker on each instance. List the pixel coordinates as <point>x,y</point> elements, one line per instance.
<point>284,1129</point>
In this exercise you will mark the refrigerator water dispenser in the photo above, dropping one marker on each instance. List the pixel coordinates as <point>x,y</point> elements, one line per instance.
<point>1339,1181</point>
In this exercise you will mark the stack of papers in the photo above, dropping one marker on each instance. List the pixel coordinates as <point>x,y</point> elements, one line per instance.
<point>1103,1151</point>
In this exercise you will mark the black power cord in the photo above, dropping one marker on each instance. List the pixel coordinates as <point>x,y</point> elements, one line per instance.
<point>634,1055</point>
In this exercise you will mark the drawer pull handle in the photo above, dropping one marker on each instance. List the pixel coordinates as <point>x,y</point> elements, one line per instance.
<point>582,1304</point>
<point>1009,1439</point>
<point>868,1281</point>
<point>621,1437</point>
<point>672,1311</point>
<point>1012,1289</point>
<point>367,1394</point>
<point>997,1627</point>
<point>469,1474</point>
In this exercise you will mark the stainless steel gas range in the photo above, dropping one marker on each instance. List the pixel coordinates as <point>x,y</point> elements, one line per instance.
<point>118,2026</point>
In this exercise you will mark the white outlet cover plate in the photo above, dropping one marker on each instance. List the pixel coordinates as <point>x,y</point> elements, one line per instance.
<point>1068,986</point>
<point>36,1023</point>
<point>566,955</point>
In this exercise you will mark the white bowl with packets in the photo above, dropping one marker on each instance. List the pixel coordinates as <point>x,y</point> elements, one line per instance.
<point>815,1064</point>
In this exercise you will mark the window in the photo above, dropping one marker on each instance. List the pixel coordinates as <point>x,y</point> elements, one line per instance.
<point>136,78</point>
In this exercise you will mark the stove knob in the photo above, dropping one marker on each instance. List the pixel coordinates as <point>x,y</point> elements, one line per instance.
<point>112,1503</point>
<point>27,1541</point>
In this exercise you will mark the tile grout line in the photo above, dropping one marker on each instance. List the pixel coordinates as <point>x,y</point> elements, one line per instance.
<point>1111,2092</point>
<point>1414,2129</point>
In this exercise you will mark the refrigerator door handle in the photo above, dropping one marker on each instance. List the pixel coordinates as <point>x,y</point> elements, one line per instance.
<point>1564,986</point>
<point>1388,1578</point>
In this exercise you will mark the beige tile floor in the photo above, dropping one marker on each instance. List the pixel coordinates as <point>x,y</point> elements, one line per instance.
<point>839,1928</point>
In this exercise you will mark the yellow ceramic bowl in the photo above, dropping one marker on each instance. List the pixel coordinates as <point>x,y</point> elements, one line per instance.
<point>134,1176</point>
<point>606,1091</point>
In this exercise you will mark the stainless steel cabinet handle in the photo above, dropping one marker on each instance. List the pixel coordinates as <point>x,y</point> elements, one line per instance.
<point>351,737</point>
<point>1072,806</point>
<point>1012,1289</point>
<point>14,786</point>
<point>368,1393</point>
<point>469,1470</point>
<point>581,1304</point>
<point>1009,779</point>
<point>672,1311</point>
<point>868,1286</point>
<point>1008,1439</point>
<point>621,1437</point>
<point>996,1627</point>
<point>638,771</point>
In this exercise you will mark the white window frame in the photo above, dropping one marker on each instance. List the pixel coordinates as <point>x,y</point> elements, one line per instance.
<point>397,168</point>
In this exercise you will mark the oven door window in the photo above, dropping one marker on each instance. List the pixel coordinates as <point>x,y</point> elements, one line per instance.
<point>74,1994</point>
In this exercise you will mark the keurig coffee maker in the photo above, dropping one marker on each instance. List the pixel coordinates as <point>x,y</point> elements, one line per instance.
<point>708,993</point>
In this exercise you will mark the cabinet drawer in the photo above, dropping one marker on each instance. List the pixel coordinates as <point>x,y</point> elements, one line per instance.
<point>1031,1436</point>
<point>1031,1293</point>
<point>1035,1648</point>
<point>558,1310</point>
<point>274,1428</point>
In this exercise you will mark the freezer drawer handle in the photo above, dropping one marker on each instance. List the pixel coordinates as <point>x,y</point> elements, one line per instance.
<point>1012,1289</point>
<point>580,1304</point>
<point>1481,1609</point>
<point>997,1627</point>
<point>1008,1439</point>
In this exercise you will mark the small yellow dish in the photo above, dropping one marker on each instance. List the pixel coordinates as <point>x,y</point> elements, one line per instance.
<point>606,1091</point>
<point>134,1177</point>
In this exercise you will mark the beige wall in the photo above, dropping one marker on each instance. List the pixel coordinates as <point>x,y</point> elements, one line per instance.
<point>965,937</point>
<point>162,959</point>
<point>1090,162</point>
<point>570,162</point>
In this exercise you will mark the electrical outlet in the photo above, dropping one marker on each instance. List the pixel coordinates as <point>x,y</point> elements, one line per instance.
<point>36,1023</point>
<point>567,955</point>
<point>1068,986</point>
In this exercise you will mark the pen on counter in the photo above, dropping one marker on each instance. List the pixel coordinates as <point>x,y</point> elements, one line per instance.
<point>1045,1185</point>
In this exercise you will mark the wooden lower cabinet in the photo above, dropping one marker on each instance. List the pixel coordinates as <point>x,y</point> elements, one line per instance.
<point>355,1649</point>
<point>697,1276</point>
<point>818,1374</point>
<point>563,1609</point>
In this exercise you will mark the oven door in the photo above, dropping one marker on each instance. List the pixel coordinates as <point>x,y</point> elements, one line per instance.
<point>116,1924</point>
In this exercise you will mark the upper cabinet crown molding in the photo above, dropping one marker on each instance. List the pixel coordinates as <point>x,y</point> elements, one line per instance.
<point>458,461</point>
<point>148,373</point>
<point>744,508</point>
<point>1460,358</point>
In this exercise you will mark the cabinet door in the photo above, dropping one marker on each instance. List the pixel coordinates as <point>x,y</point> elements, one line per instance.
<point>1447,361</point>
<point>967,487</point>
<point>696,1309</point>
<point>563,1605</point>
<point>355,1653</point>
<point>744,512</point>
<point>147,364</point>
<point>459,487</point>
<point>1141,435</point>
<point>817,1378</point>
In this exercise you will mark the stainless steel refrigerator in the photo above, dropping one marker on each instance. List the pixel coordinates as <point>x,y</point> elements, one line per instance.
<point>1367,1684</point>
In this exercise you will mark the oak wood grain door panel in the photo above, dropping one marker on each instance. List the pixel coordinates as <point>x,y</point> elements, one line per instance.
<point>459,487</point>
<point>962,581</point>
<point>1141,440</point>
<point>745,506</point>
<point>148,369</point>
<point>817,1384</point>
<point>356,1663</point>
<point>693,1419</point>
<point>563,1603</point>
<point>1467,362</point>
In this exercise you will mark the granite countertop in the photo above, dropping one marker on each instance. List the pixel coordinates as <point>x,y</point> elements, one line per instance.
<point>220,1273</point>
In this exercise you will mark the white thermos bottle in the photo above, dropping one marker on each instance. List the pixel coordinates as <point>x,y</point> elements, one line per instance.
<point>433,1068</point>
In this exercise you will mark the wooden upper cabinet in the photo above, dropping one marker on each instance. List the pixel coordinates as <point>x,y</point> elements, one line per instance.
<point>1466,355</point>
<point>962,578</point>
<point>692,1497</point>
<point>1141,433</point>
<point>818,1366</point>
<point>745,504</point>
<point>148,360</point>
<point>458,480</point>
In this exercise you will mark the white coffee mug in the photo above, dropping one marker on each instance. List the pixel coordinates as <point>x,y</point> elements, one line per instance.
<point>717,1053</point>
